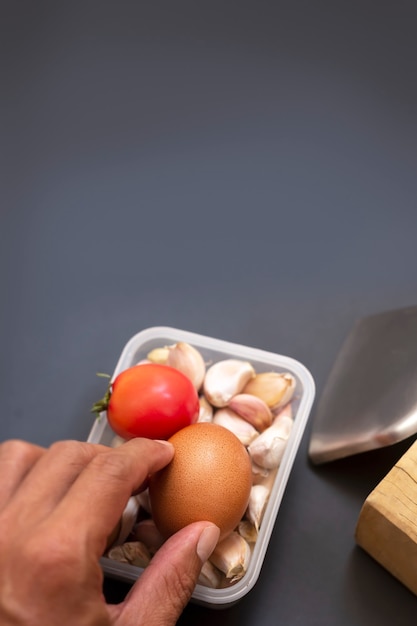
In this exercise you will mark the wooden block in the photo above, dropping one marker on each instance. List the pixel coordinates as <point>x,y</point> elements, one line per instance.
<point>387,523</point>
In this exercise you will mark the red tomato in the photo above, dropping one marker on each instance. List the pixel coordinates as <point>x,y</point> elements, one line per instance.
<point>151,400</point>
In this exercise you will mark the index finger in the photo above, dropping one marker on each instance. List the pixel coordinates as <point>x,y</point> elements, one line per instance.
<point>96,500</point>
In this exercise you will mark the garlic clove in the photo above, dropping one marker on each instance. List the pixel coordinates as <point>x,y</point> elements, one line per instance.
<point>231,556</point>
<point>132,552</point>
<point>206,410</point>
<point>144,501</point>
<point>158,355</point>
<point>268,448</point>
<point>183,357</point>
<point>128,519</point>
<point>253,409</point>
<point>267,480</point>
<point>259,474</point>
<point>189,361</point>
<point>244,431</point>
<point>281,411</point>
<point>248,531</point>
<point>283,422</point>
<point>147,533</point>
<point>258,500</point>
<point>225,379</point>
<point>125,524</point>
<point>210,576</point>
<point>274,388</point>
<point>268,452</point>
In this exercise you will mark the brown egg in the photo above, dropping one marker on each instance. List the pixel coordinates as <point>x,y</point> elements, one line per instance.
<point>209,478</point>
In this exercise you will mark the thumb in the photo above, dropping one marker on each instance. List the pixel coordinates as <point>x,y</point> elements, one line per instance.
<point>165,587</point>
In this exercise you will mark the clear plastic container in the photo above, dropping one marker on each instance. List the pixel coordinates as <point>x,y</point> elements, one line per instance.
<point>214,350</point>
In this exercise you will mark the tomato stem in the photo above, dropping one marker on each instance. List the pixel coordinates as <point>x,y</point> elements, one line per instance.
<point>101,405</point>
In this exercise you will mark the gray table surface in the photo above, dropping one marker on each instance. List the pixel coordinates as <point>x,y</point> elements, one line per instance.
<point>242,170</point>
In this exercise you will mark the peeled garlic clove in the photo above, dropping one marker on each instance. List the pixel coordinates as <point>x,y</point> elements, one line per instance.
<point>132,552</point>
<point>147,533</point>
<point>231,556</point>
<point>244,431</point>
<point>274,388</point>
<point>253,409</point>
<point>183,357</point>
<point>256,506</point>
<point>268,448</point>
<point>206,410</point>
<point>248,531</point>
<point>209,576</point>
<point>225,379</point>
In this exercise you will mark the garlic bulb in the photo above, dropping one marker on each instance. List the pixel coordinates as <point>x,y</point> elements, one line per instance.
<point>225,379</point>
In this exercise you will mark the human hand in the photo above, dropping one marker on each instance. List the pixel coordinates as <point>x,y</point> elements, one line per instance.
<point>58,506</point>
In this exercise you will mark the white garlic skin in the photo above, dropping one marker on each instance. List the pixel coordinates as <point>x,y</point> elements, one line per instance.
<point>210,576</point>
<point>183,357</point>
<point>231,556</point>
<point>268,449</point>
<point>132,552</point>
<point>225,379</point>
<point>206,410</point>
<point>244,431</point>
<point>248,531</point>
<point>147,533</point>
<point>258,500</point>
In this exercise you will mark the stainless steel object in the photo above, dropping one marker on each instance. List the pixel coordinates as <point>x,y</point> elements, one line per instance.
<point>370,398</point>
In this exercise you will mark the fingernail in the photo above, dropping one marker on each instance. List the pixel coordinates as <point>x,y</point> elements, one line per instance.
<point>164,442</point>
<point>207,542</point>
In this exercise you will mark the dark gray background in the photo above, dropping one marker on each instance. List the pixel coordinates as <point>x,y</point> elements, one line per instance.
<point>245,170</point>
